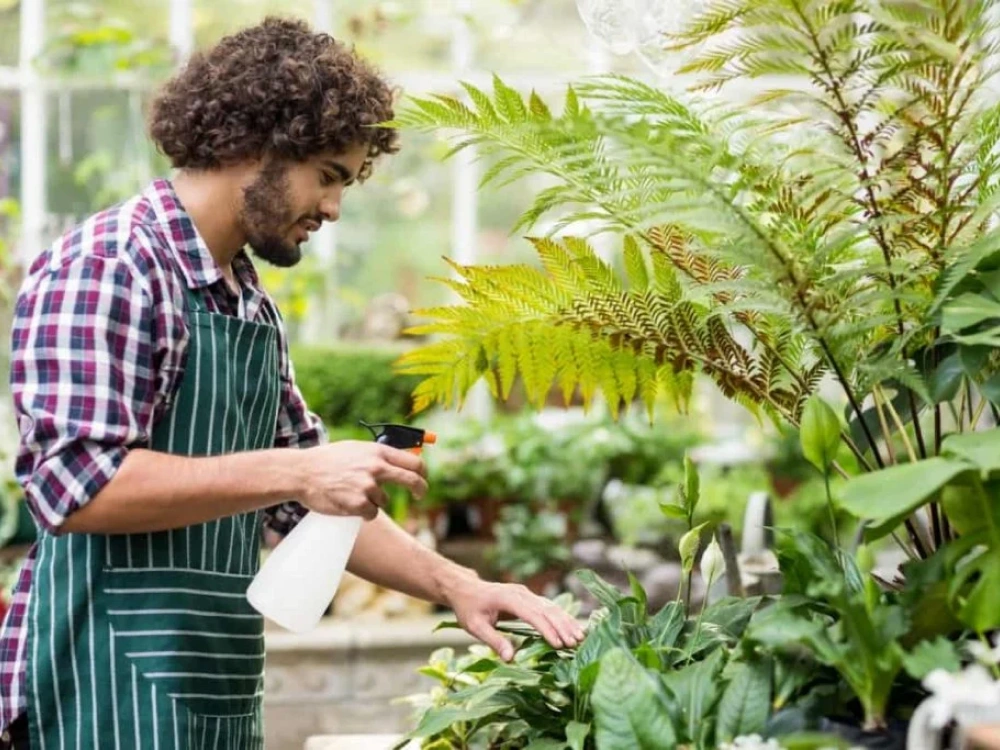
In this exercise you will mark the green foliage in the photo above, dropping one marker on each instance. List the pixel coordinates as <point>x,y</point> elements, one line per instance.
<point>838,222</point>
<point>528,542</point>
<point>348,383</point>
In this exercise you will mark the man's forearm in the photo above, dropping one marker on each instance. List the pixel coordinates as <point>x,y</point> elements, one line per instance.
<point>154,491</point>
<point>388,556</point>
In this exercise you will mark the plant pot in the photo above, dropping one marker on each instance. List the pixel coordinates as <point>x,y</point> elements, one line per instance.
<point>892,737</point>
<point>544,583</point>
<point>483,514</point>
<point>784,486</point>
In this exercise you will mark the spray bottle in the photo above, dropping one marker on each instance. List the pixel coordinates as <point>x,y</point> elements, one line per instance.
<point>300,577</point>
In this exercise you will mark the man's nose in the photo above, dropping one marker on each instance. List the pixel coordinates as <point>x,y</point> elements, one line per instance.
<point>329,209</point>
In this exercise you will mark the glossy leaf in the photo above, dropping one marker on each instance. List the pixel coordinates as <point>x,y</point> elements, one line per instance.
<point>886,497</point>
<point>630,708</point>
<point>819,433</point>
<point>746,702</point>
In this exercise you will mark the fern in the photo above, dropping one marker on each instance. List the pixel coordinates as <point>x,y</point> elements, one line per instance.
<point>824,223</point>
<point>574,321</point>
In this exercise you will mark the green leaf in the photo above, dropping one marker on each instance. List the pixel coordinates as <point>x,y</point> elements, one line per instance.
<point>746,702</point>
<point>630,709</point>
<point>576,735</point>
<point>666,625</point>
<point>888,496</point>
<point>819,433</point>
<point>546,743</point>
<point>635,265</point>
<point>731,614</point>
<point>692,486</point>
<point>946,379</point>
<point>966,311</point>
<point>929,655</point>
<point>696,689</point>
<point>980,448</point>
<point>974,589</point>
<point>638,592</point>
<point>603,591</point>
<point>672,510</point>
<point>438,719</point>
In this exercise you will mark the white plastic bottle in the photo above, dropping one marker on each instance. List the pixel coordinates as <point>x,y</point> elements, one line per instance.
<point>299,579</point>
<point>301,575</point>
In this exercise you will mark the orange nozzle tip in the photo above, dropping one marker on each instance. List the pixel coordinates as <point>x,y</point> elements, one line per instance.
<point>418,451</point>
<point>430,437</point>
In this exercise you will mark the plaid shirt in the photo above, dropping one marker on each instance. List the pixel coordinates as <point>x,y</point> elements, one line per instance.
<point>98,347</point>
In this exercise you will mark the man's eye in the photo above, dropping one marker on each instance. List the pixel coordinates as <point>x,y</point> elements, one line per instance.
<point>327,179</point>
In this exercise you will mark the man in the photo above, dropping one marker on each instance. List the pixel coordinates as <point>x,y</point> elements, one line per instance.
<point>161,425</point>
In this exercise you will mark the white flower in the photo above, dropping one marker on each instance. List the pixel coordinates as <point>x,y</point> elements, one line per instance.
<point>713,564</point>
<point>972,687</point>
<point>984,654</point>
<point>751,742</point>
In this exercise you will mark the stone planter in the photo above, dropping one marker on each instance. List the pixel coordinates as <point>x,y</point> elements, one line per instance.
<point>345,677</point>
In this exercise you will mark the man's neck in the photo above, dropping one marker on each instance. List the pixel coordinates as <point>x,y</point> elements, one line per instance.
<point>209,197</point>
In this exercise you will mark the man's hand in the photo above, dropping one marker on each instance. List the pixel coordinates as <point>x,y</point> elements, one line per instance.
<point>479,605</point>
<point>345,478</point>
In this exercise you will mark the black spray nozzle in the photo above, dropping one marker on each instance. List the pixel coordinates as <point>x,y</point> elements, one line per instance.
<point>400,435</point>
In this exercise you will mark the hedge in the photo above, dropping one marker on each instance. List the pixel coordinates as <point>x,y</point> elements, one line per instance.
<point>346,383</point>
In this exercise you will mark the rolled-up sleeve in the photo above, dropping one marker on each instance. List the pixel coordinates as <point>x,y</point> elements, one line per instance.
<point>297,427</point>
<point>81,380</point>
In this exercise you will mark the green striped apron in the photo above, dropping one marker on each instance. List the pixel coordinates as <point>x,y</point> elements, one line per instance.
<point>147,640</point>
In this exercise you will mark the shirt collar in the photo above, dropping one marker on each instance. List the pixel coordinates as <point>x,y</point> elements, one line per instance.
<point>194,259</point>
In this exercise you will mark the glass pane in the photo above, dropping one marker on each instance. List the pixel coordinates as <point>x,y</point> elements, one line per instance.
<point>99,40</point>
<point>98,151</point>
<point>10,30</point>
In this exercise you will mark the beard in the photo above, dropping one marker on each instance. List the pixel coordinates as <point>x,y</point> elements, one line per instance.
<point>266,214</point>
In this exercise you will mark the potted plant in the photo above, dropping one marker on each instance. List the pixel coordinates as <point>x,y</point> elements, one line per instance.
<point>530,547</point>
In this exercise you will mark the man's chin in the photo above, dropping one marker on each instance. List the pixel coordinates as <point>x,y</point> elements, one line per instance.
<point>282,255</point>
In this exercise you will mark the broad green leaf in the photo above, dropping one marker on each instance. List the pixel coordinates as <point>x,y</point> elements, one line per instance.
<point>819,433</point>
<point>961,505</point>
<point>603,591</point>
<point>696,690</point>
<point>639,593</point>
<point>746,702</point>
<point>974,588</point>
<point>546,743</point>
<point>576,735</point>
<point>990,390</point>
<point>929,655</point>
<point>966,311</point>
<point>889,495</point>
<point>630,709</point>
<point>980,448</point>
<point>731,615</point>
<point>666,625</point>
<point>946,379</point>
<point>438,719</point>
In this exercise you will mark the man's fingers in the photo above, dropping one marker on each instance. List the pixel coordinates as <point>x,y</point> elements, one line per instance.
<point>492,637</point>
<point>404,459</point>
<point>411,480</point>
<point>535,616</point>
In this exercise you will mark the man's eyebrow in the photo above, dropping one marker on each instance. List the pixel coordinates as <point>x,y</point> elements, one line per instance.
<point>340,169</point>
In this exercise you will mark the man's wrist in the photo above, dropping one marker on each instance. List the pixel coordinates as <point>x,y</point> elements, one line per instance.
<point>452,582</point>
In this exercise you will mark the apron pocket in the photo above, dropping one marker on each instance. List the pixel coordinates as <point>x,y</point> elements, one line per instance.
<point>185,647</point>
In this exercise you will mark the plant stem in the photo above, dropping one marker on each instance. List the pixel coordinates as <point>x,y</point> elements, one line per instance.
<point>904,546</point>
<point>899,424</point>
<point>886,434</point>
<point>979,412</point>
<point>833,514</point>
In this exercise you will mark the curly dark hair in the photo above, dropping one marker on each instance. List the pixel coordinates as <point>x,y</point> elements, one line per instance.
<point>275,89</point>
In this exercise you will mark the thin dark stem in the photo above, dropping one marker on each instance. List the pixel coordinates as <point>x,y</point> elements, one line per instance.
<point>855,406</point>
<point>918,544</point>
<point>935,512</point>
<point>937,429</point>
